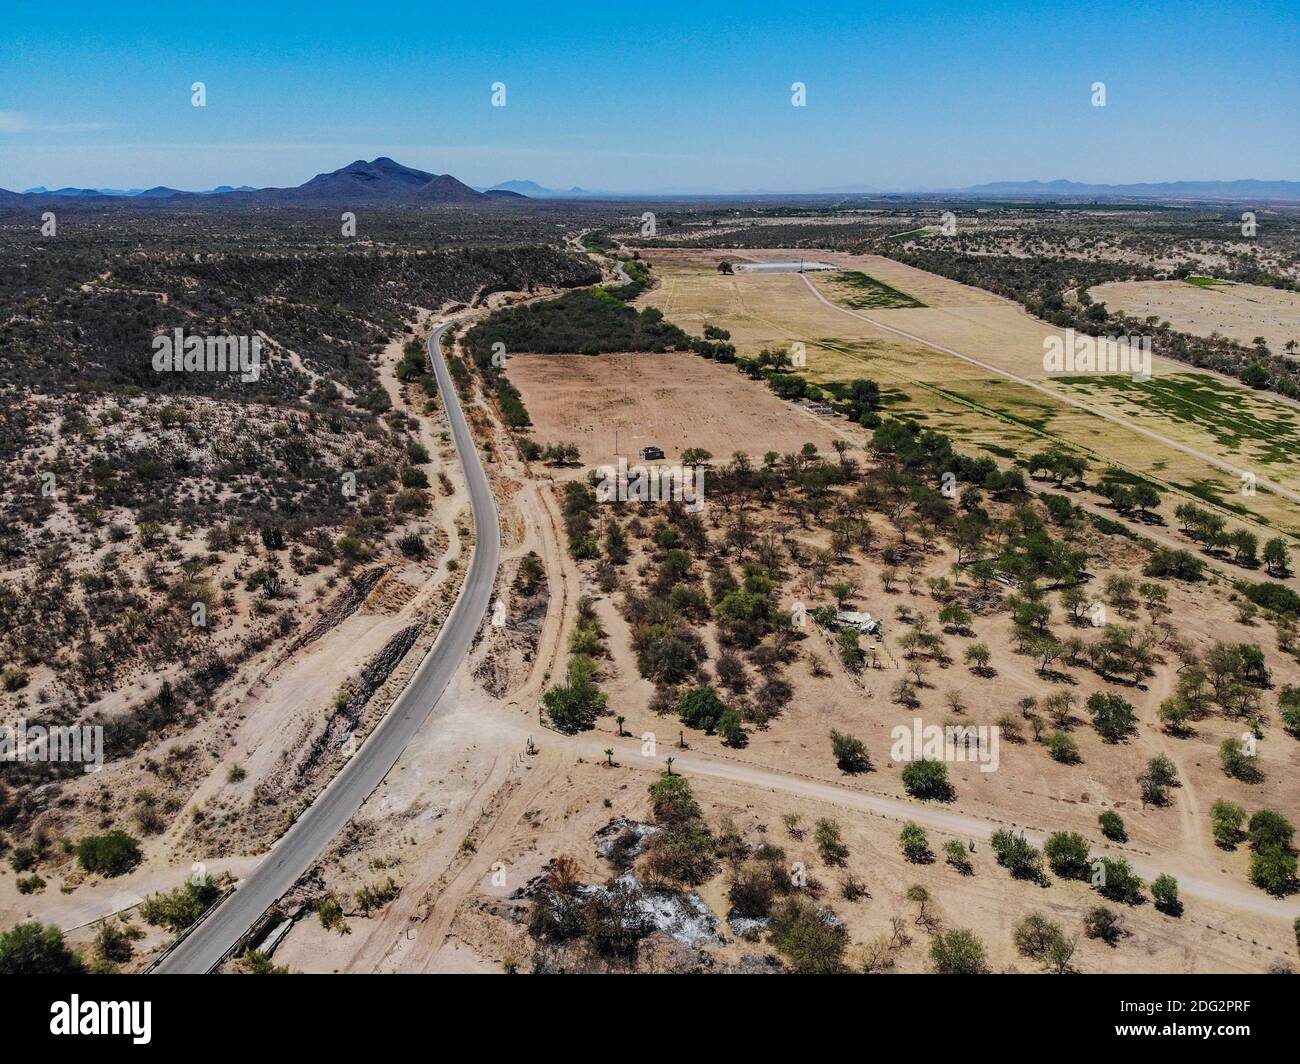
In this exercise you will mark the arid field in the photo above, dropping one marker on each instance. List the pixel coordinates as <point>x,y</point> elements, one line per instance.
<point>1192,431</point>
<point>1242,311</point>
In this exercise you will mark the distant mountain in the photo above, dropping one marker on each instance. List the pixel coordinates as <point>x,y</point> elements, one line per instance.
<point>1234,190</point>
<point>533,190</point>
<point>161,192</point>
<point>381,180</point>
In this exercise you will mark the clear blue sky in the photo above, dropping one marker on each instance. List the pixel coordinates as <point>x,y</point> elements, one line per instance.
<point>648,96</point>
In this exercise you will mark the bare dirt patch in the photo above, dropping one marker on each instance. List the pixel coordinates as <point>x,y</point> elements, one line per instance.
<point>673,401</point>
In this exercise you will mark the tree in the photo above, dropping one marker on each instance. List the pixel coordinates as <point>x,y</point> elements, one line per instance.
<point>1112,716</point>
<point>1112,826</point>
<point>1039,939</point>
<point>1105,924</point>
<point>1227,818</point>
<point>956,855</point>
<point>1238,763</point>
<point>957,952</point>
<point>1175,711</point>
<point>915,844</point>
<point>1164,889</point>
<point>978,657</point>
<point>574,705</point>
<point>1119,882</point>
<point>1268,828</point>
<point>1063,748</point>
<point>1274,869</point>
<point>850,753</point>
<point>110,855</point>
<point>812,941</point>
<point>731,730</point>
<point>701,708</point>
<point>33,948</point>
<point>927,779</point>
<point>1277,557</point>
<point>1017,855</point>
<point>830,844</point>
<point>1067,855</point>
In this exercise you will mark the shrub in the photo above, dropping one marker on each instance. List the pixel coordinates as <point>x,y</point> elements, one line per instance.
<point>916,846</point>
<point>177,909</point>
<point>957,952</point>
<point>1112,826</point>
<point>927,779</point>
<point>850,753</point>
<point>33,948</point>
<point>1067,854</point>
<point>110,855</point>
<point>1164,889</point>
<point>812,941</point>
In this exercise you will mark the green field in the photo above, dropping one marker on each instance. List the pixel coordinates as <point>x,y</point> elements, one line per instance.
<point>868,293</point>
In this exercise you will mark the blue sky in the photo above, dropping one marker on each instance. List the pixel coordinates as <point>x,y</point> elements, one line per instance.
<point>648,96</point>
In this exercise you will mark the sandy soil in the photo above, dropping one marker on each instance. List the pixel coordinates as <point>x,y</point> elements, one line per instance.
<point>674,401</point>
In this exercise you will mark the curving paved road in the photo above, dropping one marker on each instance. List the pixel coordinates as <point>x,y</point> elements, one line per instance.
<point>299,847</point>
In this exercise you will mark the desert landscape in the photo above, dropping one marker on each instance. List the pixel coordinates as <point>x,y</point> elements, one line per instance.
<point>826,506</point>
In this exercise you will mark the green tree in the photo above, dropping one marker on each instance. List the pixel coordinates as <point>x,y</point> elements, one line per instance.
<point>957,952</point>
<point>915,844</point>
<point>850,753</point>
<point>701,708</point>
<point>1112,716</point>
<point>1112,826</point>
<point>927,779</point>
<point>112,854</point>
<point>1119,882</point>
<point>33,948</point>
<point>1164,889</point>
<point>1227,820</point>
<point>1067,855</point>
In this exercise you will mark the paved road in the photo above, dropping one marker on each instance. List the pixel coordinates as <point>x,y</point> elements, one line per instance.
<point>312,832</point>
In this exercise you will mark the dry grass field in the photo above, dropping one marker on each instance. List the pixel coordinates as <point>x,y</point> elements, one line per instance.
<point>673,401</point>
<point>1241,311</point>
<point>1180,429</point>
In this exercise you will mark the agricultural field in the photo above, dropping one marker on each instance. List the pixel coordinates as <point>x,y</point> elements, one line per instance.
<point>971,363</point>
<point>1205,307</point>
